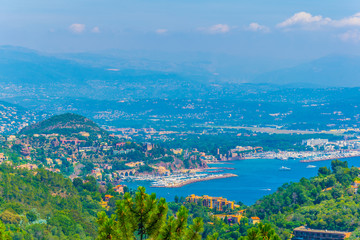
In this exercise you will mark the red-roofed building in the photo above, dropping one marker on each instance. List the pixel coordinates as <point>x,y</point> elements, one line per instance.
<point>254,220</point>
<point>304,233</point>
<point>119,188</point>
<point>108,197</point>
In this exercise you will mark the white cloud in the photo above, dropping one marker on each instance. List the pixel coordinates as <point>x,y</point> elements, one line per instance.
<point>161,31</point>
<point>95,29</point>
<point>353,20</point>
<point>216,29</point>
<point>304,19</point>
<point>307,21</point>
<point>350,36</point>
<point>255,27</point>
<point>77,28</point>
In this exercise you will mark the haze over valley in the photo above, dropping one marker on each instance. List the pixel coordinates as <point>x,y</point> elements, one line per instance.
<point>179,120</point>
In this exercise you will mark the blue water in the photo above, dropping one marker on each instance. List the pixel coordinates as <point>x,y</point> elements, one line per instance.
<point>255,178</point>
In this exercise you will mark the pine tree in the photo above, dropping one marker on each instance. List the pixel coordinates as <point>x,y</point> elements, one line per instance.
<point>194,230</point>
<point>214,236</point>
<point>175,227</point>
<point>144,217</point>
<point>262,231</point>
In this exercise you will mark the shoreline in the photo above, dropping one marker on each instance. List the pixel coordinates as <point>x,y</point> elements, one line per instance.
<point>187,182</point>
<point>357,154</point>
<point>326,159</point>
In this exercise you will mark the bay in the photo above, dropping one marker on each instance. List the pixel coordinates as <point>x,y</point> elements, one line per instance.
<point>256,178</point>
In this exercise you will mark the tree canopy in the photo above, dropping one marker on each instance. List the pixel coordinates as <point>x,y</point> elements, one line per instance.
<point>143,216</point>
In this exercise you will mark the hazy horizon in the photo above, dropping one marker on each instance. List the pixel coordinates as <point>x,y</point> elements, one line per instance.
<point>256,29</point>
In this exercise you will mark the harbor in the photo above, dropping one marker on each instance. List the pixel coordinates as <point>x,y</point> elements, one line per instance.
<point>305,156</point>
<point>184,182</point>
<point>177,180</point>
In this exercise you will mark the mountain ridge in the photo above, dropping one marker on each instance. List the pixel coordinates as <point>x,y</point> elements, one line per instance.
<point>112,77</point>
<point>328,71</point>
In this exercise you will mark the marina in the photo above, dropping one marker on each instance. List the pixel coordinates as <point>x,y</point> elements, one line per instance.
<point>178,179</point>
<point>305,156</point>
<point>181,183</point>
<point>333,155</point>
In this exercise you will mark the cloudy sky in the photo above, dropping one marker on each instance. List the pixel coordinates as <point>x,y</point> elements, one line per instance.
<point>299,29</point>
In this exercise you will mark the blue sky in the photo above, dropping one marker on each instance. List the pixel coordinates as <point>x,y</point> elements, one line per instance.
<point>297,29</point>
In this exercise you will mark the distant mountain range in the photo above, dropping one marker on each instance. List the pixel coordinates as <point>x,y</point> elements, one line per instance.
<point>30,73</point>
<point>330,71</point>
<point>24,66</point>
<point>115,75</point>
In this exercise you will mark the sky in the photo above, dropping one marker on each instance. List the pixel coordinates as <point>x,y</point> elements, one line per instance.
<point>278,29</point>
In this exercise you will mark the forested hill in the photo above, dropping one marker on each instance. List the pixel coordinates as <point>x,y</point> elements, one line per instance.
<point>65,124</point>
<point>327,201</point>
<point>40,204</point>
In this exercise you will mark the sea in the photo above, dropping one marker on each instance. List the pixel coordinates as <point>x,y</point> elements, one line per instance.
<point>256,178</point>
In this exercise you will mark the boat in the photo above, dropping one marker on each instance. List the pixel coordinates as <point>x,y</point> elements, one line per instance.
<point>310,166</point>
<point>284,168</point>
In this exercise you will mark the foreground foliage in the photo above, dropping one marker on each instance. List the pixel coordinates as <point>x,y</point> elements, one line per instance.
<point>261,231</point>
<point>145,217</point>
<point>44,205</point>
<point>4,234</point>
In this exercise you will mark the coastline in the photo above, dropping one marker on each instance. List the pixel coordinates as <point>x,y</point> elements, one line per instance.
<point>327,159</point>
<point>314,157</point>
<point>186,182</point>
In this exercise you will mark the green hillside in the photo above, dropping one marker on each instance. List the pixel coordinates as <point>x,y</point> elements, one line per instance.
<point>45,205</point>
<point>65,124</point>
<point>327,201</point>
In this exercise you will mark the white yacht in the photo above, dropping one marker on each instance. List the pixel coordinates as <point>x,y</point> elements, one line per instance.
<point>284,168</point>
